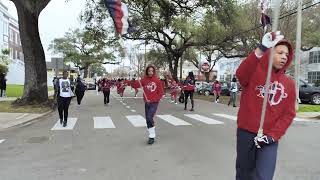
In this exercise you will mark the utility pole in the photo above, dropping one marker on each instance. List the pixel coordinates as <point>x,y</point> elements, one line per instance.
<point>298,51</point>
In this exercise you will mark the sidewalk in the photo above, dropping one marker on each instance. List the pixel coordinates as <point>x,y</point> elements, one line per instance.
<point>50,93</point>
<point>8,120</point>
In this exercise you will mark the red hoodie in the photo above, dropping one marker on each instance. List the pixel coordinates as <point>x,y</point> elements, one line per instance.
<point>106,85</point>
<point>152,87</point>
<point>280,112</point>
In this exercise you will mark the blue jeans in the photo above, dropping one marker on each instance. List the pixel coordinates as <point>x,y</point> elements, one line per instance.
<point>151,109</point>
<point>253,163</point>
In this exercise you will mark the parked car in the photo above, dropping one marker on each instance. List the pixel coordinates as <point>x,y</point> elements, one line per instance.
<point>91,84</point>
<point>309,93</point>
<point>205,89</point>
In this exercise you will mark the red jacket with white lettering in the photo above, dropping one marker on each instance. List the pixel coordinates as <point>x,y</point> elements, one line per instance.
<point>280,112</point>
<point>152,87</point>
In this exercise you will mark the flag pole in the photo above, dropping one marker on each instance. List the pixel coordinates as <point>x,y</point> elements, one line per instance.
<point>298,52</point>
<point>267,84</point>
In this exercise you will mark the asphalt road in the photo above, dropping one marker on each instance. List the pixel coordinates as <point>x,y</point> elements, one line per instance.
<point>105,143</point>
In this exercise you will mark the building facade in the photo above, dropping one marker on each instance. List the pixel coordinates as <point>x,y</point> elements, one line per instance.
<point>226,68</point>
<point>14,40</point>
<point>310,66</point>
<point>4,27</point>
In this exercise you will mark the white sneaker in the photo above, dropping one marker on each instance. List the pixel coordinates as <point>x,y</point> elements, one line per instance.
<point>176,103</point>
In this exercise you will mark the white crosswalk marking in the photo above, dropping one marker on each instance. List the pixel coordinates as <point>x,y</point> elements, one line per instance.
<point>70,125</point>
<point>137,120</point>
<point>2,140</point>
<point>227,116</point>
<point>203,119</point>
<point>173,120</point>
<point>132,110</point>
<point>103,123</point>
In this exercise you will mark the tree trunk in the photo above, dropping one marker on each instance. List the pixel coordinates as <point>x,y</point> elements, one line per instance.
<point>85,72</point>
<point>207,74</point>
<point>35,86</point>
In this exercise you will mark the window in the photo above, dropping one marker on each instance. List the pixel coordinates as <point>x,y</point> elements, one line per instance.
<point>14,54</point>
<point>17,55</point>
<point>314,57</point>
<point>11,35</point>
<point>11,53</point>
<point>314,76</point>
<point>16,39</point>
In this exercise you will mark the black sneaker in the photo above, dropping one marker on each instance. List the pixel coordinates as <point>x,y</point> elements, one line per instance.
<point>185,108</point>
<point>61,121</point>
<point>64,123</point>
<point>151,141</point>
<point>191,109</point>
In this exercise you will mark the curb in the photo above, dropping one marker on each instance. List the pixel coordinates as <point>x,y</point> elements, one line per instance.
<point>31,121</point>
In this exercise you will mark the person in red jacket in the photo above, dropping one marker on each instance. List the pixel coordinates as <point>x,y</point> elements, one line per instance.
<point>105,87</point>
<point>153,92</point>
<point>216,88</point>
<point>174,88</point>
<point>121,87</point>
<point>135,85</point>
<point>256,155</point>
<point>189,87</point>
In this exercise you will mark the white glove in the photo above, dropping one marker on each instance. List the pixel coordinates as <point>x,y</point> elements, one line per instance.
<point>270,39</point>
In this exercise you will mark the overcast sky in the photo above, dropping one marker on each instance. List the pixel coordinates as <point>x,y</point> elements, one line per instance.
<point>57,18</point>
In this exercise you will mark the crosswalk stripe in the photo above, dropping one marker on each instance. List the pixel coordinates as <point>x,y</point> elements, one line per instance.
<point>103,123</point>
<point>203,119</point>
<point>2,140</point>
<point>227,116</point>
<point>137,120</point>
<point>70,125</point>
<point>173,120</point>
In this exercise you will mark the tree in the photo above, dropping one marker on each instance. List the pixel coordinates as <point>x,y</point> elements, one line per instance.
<point>35,86</point>
<point>158,58</point>
<point>98,69</point>
<point>86,47</point>
<point>170,24</point>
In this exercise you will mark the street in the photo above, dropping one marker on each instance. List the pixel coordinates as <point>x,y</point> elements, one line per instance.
<point>109,142</point>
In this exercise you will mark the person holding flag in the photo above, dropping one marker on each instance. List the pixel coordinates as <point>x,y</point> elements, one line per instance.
<point>153,92</point>
<point>257,152</point>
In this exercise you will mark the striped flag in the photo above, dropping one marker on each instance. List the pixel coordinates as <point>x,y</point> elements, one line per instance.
<point>119,14</point>
<point>265,19</point>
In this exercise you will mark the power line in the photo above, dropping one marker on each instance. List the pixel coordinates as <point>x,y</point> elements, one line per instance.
<point>282,17</point>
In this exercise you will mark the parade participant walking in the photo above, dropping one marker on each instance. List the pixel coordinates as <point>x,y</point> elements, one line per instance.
<point>216,87</point>
<point>189,87</point>
<point>174,88</point>
<point>256,155</point>
<point>64,97</point>
<point>106,86</point>
<point>233,92</point>
<point>153,92</point>
<point>121,87</point>
<point>80,90</point>
<point>135,85</point>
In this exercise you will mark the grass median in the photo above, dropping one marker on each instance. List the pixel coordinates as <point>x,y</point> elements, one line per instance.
<point>17,90</point>
<point>5,106</point>
<point>309,108</point>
